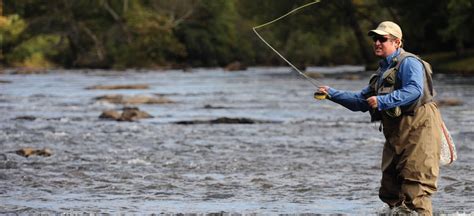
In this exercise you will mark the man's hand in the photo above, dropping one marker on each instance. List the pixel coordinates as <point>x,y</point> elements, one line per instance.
<point>322,93</point>
<point>372,102</point>
<point>323,89</point>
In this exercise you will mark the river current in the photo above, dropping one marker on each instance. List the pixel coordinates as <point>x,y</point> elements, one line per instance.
<point>303,156</point>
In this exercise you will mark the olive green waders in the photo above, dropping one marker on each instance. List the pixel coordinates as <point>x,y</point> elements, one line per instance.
<point>410,161</point>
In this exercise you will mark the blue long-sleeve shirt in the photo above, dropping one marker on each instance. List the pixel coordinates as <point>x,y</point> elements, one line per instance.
<point>410,75</point>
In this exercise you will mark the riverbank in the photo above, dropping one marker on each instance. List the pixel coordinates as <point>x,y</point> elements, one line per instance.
<point>451,63</point>
<point>446,62</point>
<point>442,63</point>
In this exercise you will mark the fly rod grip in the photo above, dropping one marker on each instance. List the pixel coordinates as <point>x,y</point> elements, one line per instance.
<point>321,95</point>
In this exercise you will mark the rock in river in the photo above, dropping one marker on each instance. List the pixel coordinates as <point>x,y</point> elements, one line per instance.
<point>128,114</point>
<point>137,99</point>
<point>225,120</point>
<point>114,87</point>
<point>26,152</point>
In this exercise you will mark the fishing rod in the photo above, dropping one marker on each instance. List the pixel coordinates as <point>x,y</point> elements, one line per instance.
<point>316,83</point>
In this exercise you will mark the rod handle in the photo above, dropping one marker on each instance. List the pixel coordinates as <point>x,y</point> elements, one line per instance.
<point>320,95</point>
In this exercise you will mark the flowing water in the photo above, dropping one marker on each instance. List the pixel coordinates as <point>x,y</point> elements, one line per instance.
<point>306,156</point>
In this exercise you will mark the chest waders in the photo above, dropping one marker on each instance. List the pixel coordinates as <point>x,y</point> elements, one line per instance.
<point>410,159</point>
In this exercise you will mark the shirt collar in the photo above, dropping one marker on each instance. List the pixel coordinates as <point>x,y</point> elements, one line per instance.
<point>388,60</point>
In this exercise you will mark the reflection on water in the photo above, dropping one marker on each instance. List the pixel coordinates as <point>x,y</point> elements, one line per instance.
<point>312,156</point>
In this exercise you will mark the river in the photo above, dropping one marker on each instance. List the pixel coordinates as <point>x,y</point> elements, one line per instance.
<point>304,156</point>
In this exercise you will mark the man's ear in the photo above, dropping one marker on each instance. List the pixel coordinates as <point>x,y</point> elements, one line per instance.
<point>398,42</point>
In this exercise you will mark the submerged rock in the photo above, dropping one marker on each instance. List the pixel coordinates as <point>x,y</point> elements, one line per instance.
<point>314,75</point>
<point>26,152</point>
<point>225,120</point>
<point>26,118</point>
<point>235,66</point>
<point>208,106</point>
<point>128,114</point>
<point>450,102</point>
<point>133,114</point>
<point>138,99</point>
<point>114,87</point>
<point>110,114</point>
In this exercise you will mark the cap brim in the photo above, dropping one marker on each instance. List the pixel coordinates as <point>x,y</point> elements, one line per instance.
<point>378,32</point>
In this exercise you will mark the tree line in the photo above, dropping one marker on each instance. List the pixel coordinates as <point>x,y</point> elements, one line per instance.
<point>208,33</point>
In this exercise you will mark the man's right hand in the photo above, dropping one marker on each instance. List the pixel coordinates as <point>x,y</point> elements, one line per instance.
<point>323,89</point>
<point>322,93</point>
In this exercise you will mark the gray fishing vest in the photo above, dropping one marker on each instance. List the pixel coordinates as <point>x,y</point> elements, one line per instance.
<point>389,83</point>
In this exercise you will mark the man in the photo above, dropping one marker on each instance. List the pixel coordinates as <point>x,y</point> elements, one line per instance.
<point>400,95</point>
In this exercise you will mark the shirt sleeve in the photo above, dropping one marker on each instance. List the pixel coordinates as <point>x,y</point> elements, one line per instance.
<point>411,76</point>
<point>354,101</point>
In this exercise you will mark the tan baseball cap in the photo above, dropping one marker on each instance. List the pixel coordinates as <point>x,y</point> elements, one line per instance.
<point>387,27</point>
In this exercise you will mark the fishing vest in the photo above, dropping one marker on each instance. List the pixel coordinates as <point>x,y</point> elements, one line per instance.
<point>389,83</point>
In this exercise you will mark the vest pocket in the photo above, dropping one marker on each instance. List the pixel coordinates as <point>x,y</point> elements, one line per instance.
<point>394,112</point>
<point>388,86</point>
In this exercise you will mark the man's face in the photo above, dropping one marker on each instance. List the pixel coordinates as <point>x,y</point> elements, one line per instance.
<point>384,45</point>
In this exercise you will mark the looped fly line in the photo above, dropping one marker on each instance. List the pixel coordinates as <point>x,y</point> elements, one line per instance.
<point>313,81</point>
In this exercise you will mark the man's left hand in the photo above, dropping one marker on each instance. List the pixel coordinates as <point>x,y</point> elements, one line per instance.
<point>372,102</point>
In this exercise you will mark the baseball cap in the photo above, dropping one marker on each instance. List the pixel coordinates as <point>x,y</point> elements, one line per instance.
<point>387,27</point>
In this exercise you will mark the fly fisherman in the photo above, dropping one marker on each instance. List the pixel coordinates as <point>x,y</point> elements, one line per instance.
<point>400,95</point>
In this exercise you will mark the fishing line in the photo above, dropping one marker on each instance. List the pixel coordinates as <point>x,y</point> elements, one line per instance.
<point>315,82</point>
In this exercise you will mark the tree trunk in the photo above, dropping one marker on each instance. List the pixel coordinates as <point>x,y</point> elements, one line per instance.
<point>460,50</point>
<point>350,9</point>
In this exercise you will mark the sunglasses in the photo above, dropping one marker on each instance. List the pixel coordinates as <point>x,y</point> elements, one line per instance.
<point>380,39</point>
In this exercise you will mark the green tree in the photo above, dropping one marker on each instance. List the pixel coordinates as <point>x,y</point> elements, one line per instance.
<point>460,23</point>
<point>210,35</point>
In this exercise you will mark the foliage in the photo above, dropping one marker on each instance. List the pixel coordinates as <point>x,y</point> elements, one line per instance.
<point>35,52</point>
<point>11,28</point>
<point>182,33</point>
<point>210,36</point>
<point>460,22</point>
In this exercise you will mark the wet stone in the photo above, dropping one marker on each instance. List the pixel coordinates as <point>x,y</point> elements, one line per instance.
<point>26,118</point>
<point>226,120</point>
<point>133,114</point>
<point>450,102</point>
<point>116,87</point>
<point>219,196</point>
<point>110,114</point>
<point>26,152</point>
<point>137,99</point>
<point>128,114</point>
<point>208,106</point>
<point>235,66</point>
